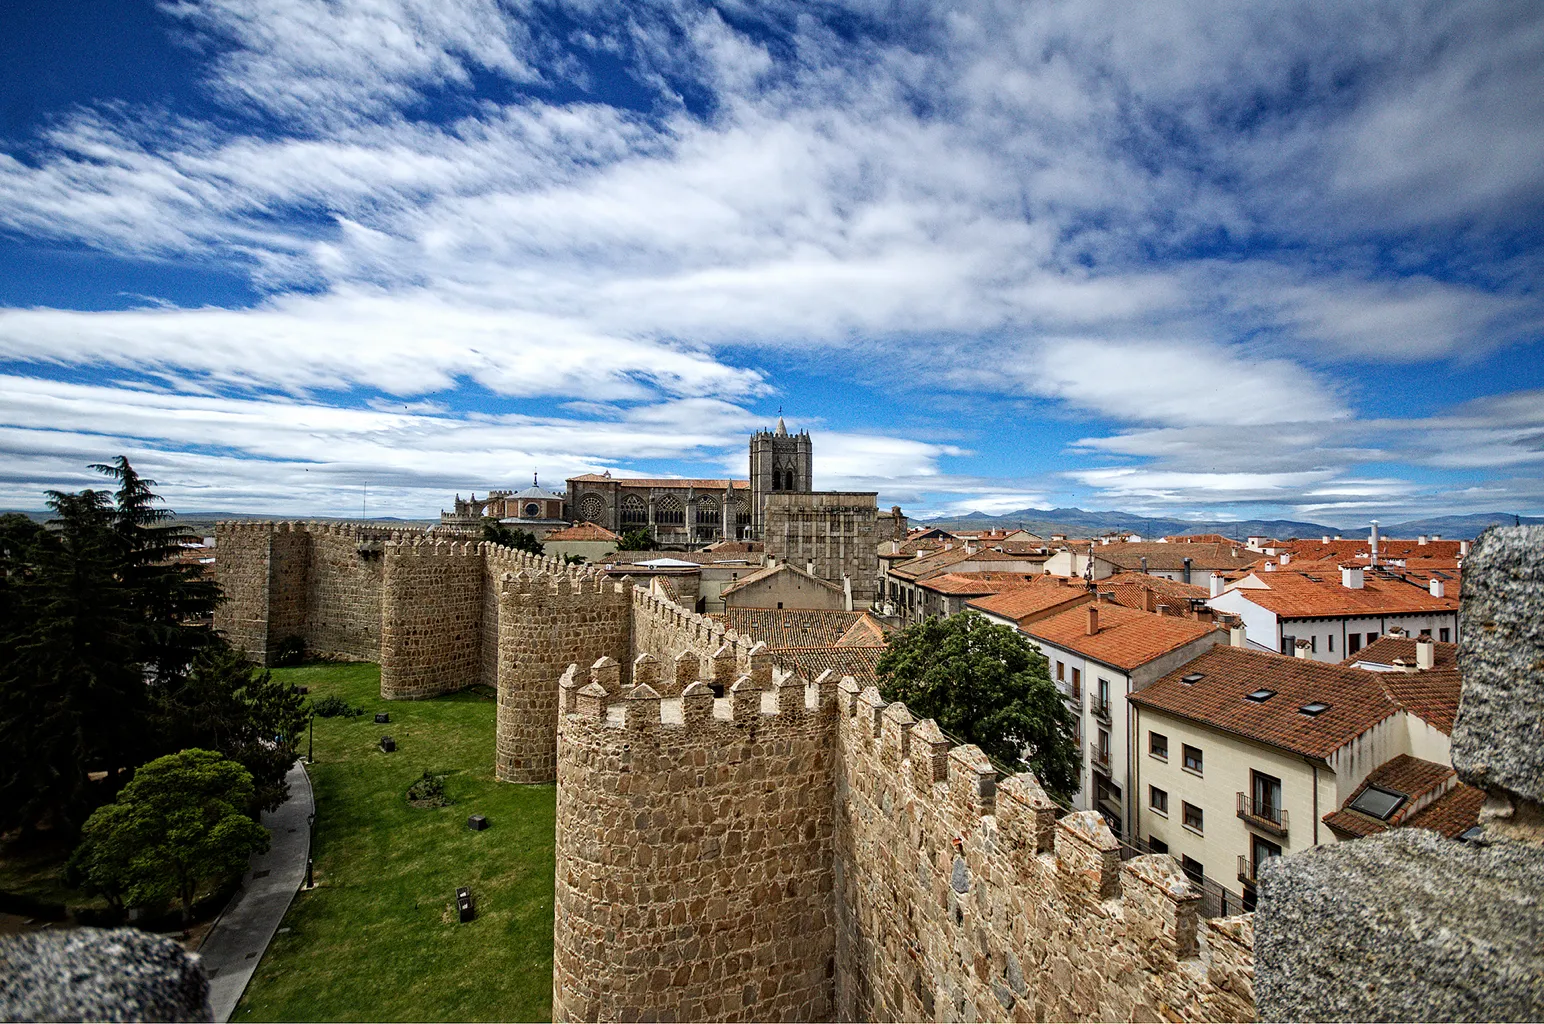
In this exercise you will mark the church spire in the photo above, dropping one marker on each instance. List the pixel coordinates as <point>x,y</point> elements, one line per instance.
<point>782,428</point>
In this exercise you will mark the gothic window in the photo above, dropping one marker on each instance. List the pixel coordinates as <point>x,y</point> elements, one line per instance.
<point>777,479</point>
<point>737,509</point>
<point>707,512</point>
<point>634,511</point>
<point>592,509</point>
<point>668,511</point>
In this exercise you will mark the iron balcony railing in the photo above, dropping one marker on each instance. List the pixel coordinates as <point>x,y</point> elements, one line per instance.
<point>1268,817</point>
<point>1246,871</point>
<point>1101,708</point>
<point>1099,758</point>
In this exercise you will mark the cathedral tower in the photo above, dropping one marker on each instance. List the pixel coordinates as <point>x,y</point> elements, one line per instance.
<point>780,461</point>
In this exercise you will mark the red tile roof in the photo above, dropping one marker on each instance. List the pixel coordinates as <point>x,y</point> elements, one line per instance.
<point>1034,599</point>
<point>1295,594</point>
<point>584,531</point>
<point>662,482</point>
<point>1127,638</point>
<point>1453,813</point>
<point>1408,776</point>
<point>781,627</point>
<point>976,583</point>
<point>1388,547</point>
<point>1432,694</point>
<point>1131,590</point>
<point>1356,701</point>
<point>866,632</point>
<point>1171,557</point>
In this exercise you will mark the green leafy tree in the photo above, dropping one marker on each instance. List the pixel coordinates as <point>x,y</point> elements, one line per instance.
<point>227,704</point>
<point>988,685</point>
<point>178,825</point>
<point>495,532</point>
<point>636,539</point>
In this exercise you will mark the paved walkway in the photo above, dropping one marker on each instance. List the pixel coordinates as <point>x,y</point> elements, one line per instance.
<point>237,941</point>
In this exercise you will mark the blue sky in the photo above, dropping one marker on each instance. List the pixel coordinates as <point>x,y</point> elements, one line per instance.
<point>1193,259</point>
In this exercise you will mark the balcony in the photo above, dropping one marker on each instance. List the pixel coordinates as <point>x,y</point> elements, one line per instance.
<point>1246,871</point>
<point>1100,708</point>
<point>1266,817</point>
<point>1100,759</point>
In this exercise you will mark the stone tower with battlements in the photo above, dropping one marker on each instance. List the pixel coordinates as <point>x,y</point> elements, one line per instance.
<point>780,462</point>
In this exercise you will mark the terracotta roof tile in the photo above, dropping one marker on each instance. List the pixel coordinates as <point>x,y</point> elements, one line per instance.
<point>1126,639</point>
<point>1432,694</point>
<point>584,531</point>
<point>780,627</point>
<point>1453,813</point>
<point>1408,776</point>
<point>1131,589</point>
<point>1171,557</point>
<point>859,662</point>
<point>1295,594</point>
<point>967,583</point>
<point>1355,700</point>
<point>866,632</point>
<point>1043,594</point>
<point>663,482</point>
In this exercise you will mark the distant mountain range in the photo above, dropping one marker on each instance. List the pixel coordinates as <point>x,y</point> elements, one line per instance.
<point>1077,522</point>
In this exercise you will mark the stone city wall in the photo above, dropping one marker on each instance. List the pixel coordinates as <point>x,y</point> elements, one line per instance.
<point>962,899</point>
<point>694,848</point>
<point>431,618</point>
<point>343,594</point>
<point>546,622</point>
<point>666,631</point>
<point>241,569</point>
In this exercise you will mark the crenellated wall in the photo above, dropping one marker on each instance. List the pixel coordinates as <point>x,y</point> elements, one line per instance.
<point>694,848</point>
<point>343,595</point>
<point>665,631</point>
<point>431,618</point>
<point>547,621</point>
<point>959,898</point>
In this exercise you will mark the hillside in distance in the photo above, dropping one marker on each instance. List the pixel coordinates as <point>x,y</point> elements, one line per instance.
<point>1077,522</point>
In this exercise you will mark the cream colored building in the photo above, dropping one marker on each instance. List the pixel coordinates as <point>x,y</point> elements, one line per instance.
<point>785,586</point>
<point>1240,754</point>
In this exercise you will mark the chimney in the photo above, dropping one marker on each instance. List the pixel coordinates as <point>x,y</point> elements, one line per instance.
<point>1436,537</point>
<point>1202,613</point>
<point>1238,636</point>
<point>1187,568</point>
<point>1150,602</point>
<point>1351,577</point>
<point>1326,538</point>
<point>1398,632</point>
<point>1093,619</point>
<point>1425,653</point>
<point>895,547</point>
<point>1301,649</point>
<point>1421,540</point>
<point>847,593</point>
<point>970,549</point>
<point>1144,565</point>
<point>1216,582</point>
<point>809,567</point>
<point>1270,566</point>
<point>1437,587</point>
<point>1373,541</point>
<point>1286,556</point>
<point>1162,609</point>
<point>1339,537</point>
<point>1463,548</point>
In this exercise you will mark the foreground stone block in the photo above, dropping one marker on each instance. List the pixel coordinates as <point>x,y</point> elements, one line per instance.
<point>100,974</point>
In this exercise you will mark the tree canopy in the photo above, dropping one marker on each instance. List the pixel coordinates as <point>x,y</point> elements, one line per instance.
<point>180,823</point>
<point>495,532</point>
<point>988,685</point>
<point>107,658</point>
<point>636,539</point>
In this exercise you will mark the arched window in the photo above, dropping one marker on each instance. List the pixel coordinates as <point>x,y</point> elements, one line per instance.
<point>738,509</point>
<point>592,509</point>
<point>532,510</point>
<point>707,512</point>
<point>668,511</point>
<point>634,511</point>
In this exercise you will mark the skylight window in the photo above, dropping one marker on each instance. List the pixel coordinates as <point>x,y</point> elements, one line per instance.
<point>1378,802</point>
<point>1260,696</point>
<point>1313,708</point>
<point>1194,677</point>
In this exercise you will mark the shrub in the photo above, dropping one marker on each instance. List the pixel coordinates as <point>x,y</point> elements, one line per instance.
<point>333,706</point>
<point>291,651</point>
<point>428,791</point>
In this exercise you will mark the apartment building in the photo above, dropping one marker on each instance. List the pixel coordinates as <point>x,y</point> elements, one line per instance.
<point>1333,611</point>
<point>905,595</point>
<point>1245,754</point>
<point>1099,655</point>
<point>1181,562</point>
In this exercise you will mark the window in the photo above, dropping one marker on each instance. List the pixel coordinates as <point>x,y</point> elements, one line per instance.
<point>1267,796</point>
<point>1312,708</point>
<point>1158,745</point>
<point>1377,802</point>
<point>1261,850</point>
<point>707,513</point>
<point>1444,634</point>
<point>1260,696</point>
<point>1157,845</point>
<point>668,512</point>
<point>1193,869</point>
<point>1193,817</point>
<point>1353,643</point>
<point>532,510</point>
<point>1331,642</point>
<point>1158,800</point>
<point>1426,632</point>
<point>1061,672</point>
<point>634,511</point>
<point>1288,644</point>
<point>592,509</point>
<point>1104,692</point>
<point>1372,638</point>
<point>1313,644</point>
<point>1192,758</point>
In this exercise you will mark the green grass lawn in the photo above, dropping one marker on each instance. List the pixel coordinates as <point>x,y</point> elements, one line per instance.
<point>378,939</point>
